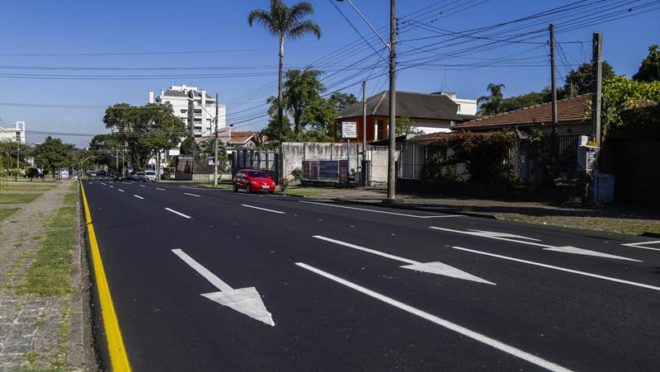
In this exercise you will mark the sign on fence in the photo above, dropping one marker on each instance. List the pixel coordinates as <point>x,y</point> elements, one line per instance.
<point>348,129</point>
<point>325,170</point>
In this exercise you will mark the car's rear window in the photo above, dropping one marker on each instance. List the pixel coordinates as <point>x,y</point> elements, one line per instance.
<point>256,174</point>
<point>151,173</point>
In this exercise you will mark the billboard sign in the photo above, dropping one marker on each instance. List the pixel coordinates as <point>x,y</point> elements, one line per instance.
<point>348,129</point>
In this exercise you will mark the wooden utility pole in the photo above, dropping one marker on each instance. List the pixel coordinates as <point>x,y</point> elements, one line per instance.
<point>391,153</point>
<point>597,77</point>
<point>553,82</point>
<point>364,133</point>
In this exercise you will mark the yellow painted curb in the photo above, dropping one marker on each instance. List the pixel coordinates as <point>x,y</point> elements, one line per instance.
<point>116,350</point>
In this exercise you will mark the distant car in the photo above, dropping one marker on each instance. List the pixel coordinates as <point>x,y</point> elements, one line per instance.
<point>150,176</point>
<point>92,174</point>
<point>253,180</point>
<point>139,176</point>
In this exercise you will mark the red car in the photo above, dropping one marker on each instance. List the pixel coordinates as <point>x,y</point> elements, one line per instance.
<point>253,180</point>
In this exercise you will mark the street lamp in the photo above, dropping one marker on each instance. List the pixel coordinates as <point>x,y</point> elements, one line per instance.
<point>391,164</point>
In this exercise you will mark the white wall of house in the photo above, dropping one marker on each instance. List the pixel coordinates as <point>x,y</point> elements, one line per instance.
<point>465,106</point>
<point>432,126</point>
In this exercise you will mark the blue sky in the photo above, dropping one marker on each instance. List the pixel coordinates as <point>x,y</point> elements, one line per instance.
<point>85,55</point>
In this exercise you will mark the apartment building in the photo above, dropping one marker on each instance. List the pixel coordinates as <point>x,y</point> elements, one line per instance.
<point>13,134</point>
<point>194,106</point>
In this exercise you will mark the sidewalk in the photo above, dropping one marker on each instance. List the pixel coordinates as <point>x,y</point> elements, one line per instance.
<point>625,220</point>
<point>41,328</point>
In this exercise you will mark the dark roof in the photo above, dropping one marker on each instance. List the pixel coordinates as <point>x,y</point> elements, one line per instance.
<point>408,104</point>
<point>569,110</point>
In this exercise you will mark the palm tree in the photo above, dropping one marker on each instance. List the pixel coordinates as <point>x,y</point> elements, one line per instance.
<point>491,104</point>
<point>283,21</point>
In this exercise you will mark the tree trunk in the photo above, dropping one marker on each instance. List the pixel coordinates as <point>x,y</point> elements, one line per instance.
<point>280,109</point>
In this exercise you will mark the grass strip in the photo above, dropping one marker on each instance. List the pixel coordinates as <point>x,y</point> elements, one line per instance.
<point>18,198</point>
<point>28,186</point>
<point>50,272</point>
<point>4,213</point>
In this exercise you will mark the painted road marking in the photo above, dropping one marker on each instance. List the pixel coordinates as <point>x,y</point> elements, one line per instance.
<point>439,321</point>
<point>246,301</point>
<point>262,209</point>
<point>103,184</point>
<point>195,195</point>
<point>597,276</point>
<point>179,213</point>
<point>115,342</point>
<point>546,247</point>
<point>126,183</point>
<point>120,190</point>
<point>194,188</point>
<point>112,187</point>
<point>382,212</point>
<point>435,267</point>
<point>159,189</point>
<point>142,186</point>
<point>137,196</point>
<point>643,245</point>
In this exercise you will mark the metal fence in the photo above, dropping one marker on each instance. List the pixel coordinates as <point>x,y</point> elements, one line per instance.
<point>268,161</point>
<point>411,161</point>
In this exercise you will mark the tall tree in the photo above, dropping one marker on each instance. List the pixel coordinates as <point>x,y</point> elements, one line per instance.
<point>492,103</point>
<point>650,67</point>
<point>302,89</point>
<point>580,81</point>
<point>283,21</point>
<point>52,154</point>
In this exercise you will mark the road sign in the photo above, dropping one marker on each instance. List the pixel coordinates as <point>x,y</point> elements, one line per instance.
<point>348,129</point>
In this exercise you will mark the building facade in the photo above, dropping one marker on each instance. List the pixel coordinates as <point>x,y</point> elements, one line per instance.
<point>195,107</point>
<point>17,133</point>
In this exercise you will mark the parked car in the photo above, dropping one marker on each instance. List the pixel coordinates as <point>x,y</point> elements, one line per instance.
<point>150,176</point>
<point>139,176</point>
<point>253,180</point>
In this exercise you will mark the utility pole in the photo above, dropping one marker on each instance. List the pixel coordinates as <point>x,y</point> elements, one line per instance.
<point>391,153</point>
<point>117,159</point>
<point>364,133</point>
<point>215,158</point>
<point>553,87</point>
<point>597,76</point>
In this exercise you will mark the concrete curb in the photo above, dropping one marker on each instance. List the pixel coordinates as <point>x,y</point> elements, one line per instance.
<point>414,208</point>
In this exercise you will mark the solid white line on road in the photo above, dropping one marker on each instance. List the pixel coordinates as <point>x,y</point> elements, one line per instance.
<point>262,209</point>
<point>382,212</point>
<point>244,300</point>
<point>194,188</point>
<point>195,195</point>
<point>507,237</point>
<point>439,321</point>
<point>179,213</point>
<point>434,267</point>
<point>643,245</point>
<point>138,196</point>
<point>159,189</point>
<point>120,190</point>
<point>597,276</point>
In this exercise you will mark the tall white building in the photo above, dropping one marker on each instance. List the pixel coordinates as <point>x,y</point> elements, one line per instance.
<point>17,133</point>
<point>195,107</point>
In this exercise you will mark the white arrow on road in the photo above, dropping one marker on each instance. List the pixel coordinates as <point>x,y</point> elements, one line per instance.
<point>434,267</point>
<point>546,247</point>
<point>246,301</point>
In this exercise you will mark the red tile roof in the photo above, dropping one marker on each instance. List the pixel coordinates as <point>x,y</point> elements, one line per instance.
<point>576,109</point>
<point>240,138</point>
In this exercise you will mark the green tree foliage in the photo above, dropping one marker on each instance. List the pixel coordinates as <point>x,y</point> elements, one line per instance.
<point>630,108</point>
<point>404,127</point>
<point>9,151</point>
<point>650,67</point>
<point>283,21</point>
<point>103,146</point>
<point>145,130</point>
<point>189,147</point>
<point>52,154</point>
<point>302,91</point>
<point>491,104</point>
<point>525,100</point>
<point>580,81</point>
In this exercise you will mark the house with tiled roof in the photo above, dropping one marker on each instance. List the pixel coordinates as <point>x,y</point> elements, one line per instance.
<point>429,113</point>
<point>574,117</point>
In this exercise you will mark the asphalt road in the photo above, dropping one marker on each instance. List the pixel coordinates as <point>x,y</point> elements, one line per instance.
<point>333,294</point>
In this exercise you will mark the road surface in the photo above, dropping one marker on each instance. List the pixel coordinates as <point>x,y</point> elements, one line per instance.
<point>214,280</point>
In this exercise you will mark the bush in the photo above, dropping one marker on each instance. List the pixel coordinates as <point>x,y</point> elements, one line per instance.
<point>296,174</point>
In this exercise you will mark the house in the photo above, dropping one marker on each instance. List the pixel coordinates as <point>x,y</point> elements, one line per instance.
<point>232,139</point>
<point>574,117</point>
<point>14,134</point>
<point>429,113</point>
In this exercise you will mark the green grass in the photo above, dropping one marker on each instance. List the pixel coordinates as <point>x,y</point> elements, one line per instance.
<point>629,226</point>
<point>305,191</point>
<point>50,272</point>
<point>17,198</point>
<point>221,186</point>
<point>28,186</point>
<point>4,213</point>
